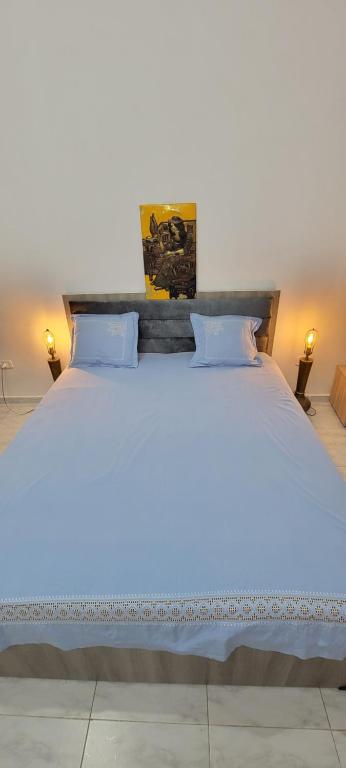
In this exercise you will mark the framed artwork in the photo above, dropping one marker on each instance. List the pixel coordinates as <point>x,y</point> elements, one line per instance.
<point>169,250</point>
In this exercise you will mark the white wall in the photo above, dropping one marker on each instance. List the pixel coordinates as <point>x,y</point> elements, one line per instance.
<point>237,104</point>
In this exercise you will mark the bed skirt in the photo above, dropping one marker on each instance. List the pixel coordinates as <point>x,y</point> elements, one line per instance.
<point>245,666</point>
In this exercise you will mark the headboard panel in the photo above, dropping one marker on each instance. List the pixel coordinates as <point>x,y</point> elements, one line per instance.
<point>165,326</point>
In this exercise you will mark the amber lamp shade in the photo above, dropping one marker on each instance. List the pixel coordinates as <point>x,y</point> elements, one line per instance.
<point>310,342</point>
<point>50,343</point>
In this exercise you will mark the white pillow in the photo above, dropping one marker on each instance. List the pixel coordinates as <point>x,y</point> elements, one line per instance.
<point>105,340</point>
<point>225,340</point>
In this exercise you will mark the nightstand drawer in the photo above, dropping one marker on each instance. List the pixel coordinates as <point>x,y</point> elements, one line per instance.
<point>338,393</point>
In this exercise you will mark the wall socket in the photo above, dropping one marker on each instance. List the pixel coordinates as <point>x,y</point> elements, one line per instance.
<point>6,364</point>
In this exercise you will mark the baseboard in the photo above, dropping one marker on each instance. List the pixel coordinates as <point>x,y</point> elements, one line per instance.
<point>319,398</point>
<point>22,399</point>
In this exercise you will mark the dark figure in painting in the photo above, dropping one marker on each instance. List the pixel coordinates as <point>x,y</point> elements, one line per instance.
<point>173,262</point>
<point>178,233</point>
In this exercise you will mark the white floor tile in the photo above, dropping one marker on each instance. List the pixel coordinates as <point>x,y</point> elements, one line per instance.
<point>11,423</point>
<point>47,698</point>
<point>335,702</point>
<point>335,444</point>
<point>331,432</point>
<point>325,418</point>
<point>340,741</point>
<point>30,742</point>
<point>266,706</point>
<point>271,748</point>
<point>151,703</point>
<point>146,745</point>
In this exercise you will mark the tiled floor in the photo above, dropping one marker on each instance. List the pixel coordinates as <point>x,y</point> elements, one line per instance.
<point>66,724</point>
<point>332,434</point>
<point>11,423</point>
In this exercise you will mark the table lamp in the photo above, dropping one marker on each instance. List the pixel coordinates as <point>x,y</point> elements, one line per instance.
<point>305,364</point>
<point>53,361</point>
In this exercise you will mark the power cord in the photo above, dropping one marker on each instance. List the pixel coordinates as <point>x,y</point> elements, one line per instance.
<point>19,413</point>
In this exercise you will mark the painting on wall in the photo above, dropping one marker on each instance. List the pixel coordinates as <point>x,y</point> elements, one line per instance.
<point>169,250</point>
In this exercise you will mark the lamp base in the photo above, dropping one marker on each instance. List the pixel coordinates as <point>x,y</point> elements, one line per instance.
<point>55,367</point>
<point>304,402</point>
<point>303,375</point>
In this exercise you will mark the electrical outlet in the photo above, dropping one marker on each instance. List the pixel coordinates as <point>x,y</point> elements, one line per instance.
<point>6,364</point>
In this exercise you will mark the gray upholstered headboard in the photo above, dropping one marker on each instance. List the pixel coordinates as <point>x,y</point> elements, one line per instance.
<point>165,326</point>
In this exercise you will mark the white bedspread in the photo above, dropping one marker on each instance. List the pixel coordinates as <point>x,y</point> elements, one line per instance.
<point>175,508</point>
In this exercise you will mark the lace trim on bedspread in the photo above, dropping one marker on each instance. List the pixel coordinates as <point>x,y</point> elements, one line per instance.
<point>234,608</point>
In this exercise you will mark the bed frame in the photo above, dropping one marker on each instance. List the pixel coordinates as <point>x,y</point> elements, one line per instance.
<point>164,326</point>
<point>245,666</point>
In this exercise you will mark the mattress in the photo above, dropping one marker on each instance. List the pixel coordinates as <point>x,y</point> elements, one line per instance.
<point>192,510</point>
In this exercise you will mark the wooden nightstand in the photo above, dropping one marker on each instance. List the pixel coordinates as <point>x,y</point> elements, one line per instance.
<point>338,393</point>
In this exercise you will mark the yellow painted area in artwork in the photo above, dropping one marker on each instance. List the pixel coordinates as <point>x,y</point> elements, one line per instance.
<point>164,212</point>
<point>152,293</point>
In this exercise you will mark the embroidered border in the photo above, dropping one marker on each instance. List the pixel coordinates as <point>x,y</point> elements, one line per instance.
<point>226,608</point>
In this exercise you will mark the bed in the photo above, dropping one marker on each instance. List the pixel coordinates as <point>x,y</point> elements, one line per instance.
<point>168,523</point>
